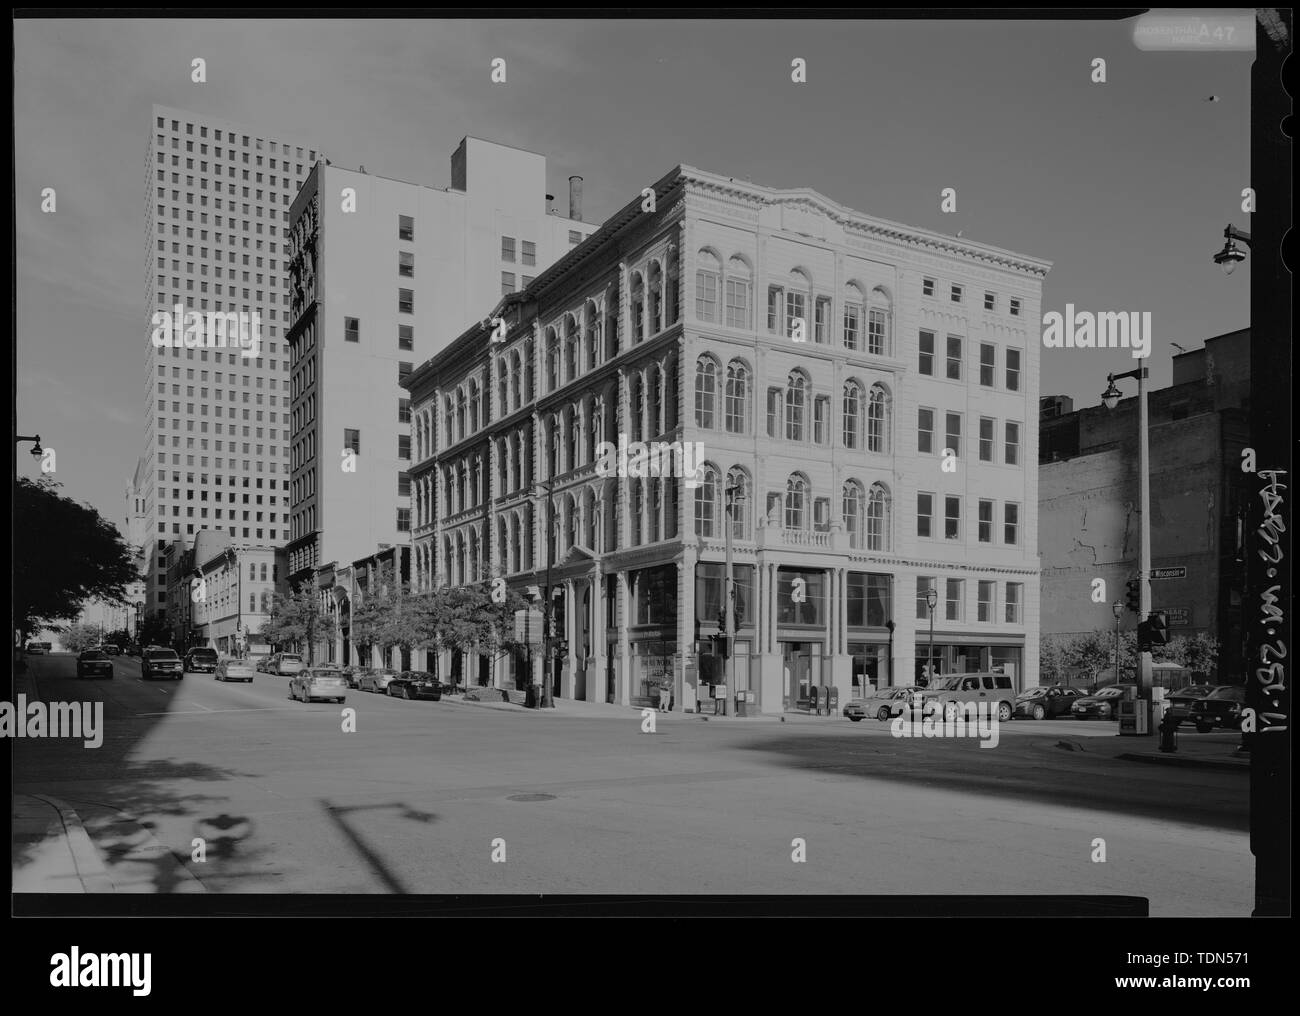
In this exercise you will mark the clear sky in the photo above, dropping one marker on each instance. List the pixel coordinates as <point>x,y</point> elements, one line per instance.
<point>1126,186</point>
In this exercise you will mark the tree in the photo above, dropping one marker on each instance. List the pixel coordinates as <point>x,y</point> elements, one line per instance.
<point>65,554</point>
<point>466,619</point>
<point>1195,652</point>
<point>154,630</point>
<point>78,637</point>
<point>1091,651</point>
<point>299,619</point>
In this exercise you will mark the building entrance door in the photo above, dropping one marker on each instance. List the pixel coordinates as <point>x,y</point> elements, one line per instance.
<point>802,671</point>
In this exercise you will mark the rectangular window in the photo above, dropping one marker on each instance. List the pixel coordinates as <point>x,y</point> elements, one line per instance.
<point>988,356</point>
<point>1013,370</point>
<point>952,434</point>
<point>403,371</point>
<point>925,430</point>
<point>706,295</point>
<point>926,363</point>
<point>986,439</point>
<point>876,332</point>
<point>952,518</point>
<point>956,293</point>
<point>405,337</point>
<point>927,287</point>
<point>1015,596</point>
<point>508,249</point>
<point>986,522</point>
<point>352,329</point>
<point>403,520</point>
<point>352,440</point>
<point>925,515</point>
<point>529,252</point>
<point>821,319</point>
<point>1015,307</point>
<point>954,358</point>
<point>404,446</point>
<point>821,419</point>
<point>795,315</point>
<point>406,264</point>
<point>990,301</point>
<point>406,301</point>
<point>852,325</point>
<point>403,410</point>
<point>1013,444</point>
<point>924,583</point>
<point>403,484</point>
<point>575,237</point>
<point>774,295</point>
<point>955,600</point>
<point>405,227</point>
<point>986,601</point>
<point>1011,524</point>
<point>507,283</point>
<point>737,303</point>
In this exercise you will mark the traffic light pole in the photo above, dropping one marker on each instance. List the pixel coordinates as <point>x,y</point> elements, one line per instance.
<point>1144,550</point>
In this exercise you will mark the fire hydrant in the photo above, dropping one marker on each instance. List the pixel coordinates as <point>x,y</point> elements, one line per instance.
<point>1168,732</point>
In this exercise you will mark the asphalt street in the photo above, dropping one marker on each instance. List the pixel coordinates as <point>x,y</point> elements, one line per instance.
<point>423,795</point>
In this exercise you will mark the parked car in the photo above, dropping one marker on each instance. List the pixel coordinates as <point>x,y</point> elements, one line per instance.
<point>1046,702</point>
<point>1104,705</point>
<point>234,670</point>
<point>993,690</point>
<point>94,663</point>
<point>413,684</point>
<point>37,648</point>
<point>158,662</point>
<point>375,680</point>
<point>352,675</point>
<point>1178,705</point>
<point>317,683</point>
<point>1220,708</point>
<point>882,704</point>
<point>201,661</point>
<point>112,649</point>
<point>283,664</point>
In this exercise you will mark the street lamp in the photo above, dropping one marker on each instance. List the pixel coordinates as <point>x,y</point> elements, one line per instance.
<point>931,601</point>
<point>1231,255</point>
<point>1110,398</point>
<point>37,450</point>
<point>734,494</point>
<point>547,610</point>
<point>1117,608</point>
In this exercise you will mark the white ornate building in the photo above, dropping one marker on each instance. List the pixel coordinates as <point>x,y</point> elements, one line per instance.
<point>824,360</point>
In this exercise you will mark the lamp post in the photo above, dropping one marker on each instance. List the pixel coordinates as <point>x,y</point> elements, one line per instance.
<point>1110,398</point>
<point>1117,608</point>
<point>546,701</point>
<point>1231,255</point>
<point>733,496</point>
<point>890,625</point>
<point>931,601</point>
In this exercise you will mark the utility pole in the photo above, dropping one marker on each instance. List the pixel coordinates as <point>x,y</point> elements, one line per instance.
<point>548,667</point>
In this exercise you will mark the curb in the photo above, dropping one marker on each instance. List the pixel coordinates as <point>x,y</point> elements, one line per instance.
<point>89,867</point>
<point>1190,763</point>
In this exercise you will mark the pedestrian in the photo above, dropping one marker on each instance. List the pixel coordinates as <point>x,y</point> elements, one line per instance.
<point>666,697</point>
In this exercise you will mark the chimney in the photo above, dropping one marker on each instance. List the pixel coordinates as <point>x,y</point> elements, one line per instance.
<point>575,198</point>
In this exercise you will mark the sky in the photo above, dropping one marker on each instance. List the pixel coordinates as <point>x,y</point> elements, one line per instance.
<point>1125,185</point>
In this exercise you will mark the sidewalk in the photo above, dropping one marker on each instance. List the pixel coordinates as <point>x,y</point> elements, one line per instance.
<point>1195,751</point>
<point>51,852</point>
<point>603,710</point>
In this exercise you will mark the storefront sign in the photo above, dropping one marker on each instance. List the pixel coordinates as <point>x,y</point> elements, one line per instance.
<point>719,691</point>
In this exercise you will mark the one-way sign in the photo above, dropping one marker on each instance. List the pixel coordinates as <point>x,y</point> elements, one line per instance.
<point>1177,572</point>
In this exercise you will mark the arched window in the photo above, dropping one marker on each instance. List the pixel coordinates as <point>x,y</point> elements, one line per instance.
<point>673,299</point>
<point>706,501</point>
<point>528,375</point>
<point>591,333</point>
<point>460,414</point>
<point>553,444</point>
<point>594,415</point>
<point>879,316</point>
<point>575,436</point>
<point>656,506</point>
<point>708,274</point>
<point>654,399</point>
<point>516,547</point>
<point>571,523</point>
<point>854,304</point>
<point>655,288</point>
<point>852,414</point>
<point>670,393</point>
<point>737,396</point>
<point>636,303</point>
<point>503,385</point>
<point>877,420</point>
<point>472,574</point>
<point>796,394</point>
<point>853,507</point>
<point>636,406</point>
<point>637,512</point>
<point>878,526</point>
<point>796,501</point>
<point>552,360</point>
<point>473,406</point>
<point>706,387</point>
<point>738,293</point>
<point>591,513</point>
<point>571,366</point>
<point>738,485</point>
<point>517,382</point>
<point>798,295</point>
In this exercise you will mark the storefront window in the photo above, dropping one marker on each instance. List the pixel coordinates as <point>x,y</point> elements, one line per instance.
<point>656,596</point>
<point>801,597</point>
<point>869,600</point>
<point>710,581</point>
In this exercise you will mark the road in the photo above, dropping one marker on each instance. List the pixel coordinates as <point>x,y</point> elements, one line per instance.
<point>422,794</point>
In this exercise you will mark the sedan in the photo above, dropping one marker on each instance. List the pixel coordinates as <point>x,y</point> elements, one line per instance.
<point>1045,703</point>
<point>413,684</point>
<point>1179,703</point>
<point>1221,708</point>
<point>234,670</point>
<point>94,663</point>
<point>317,684</point>
<point>375,680</point>
<point>161,663</point>
<point>882,704</point>
<point>1104,705</point>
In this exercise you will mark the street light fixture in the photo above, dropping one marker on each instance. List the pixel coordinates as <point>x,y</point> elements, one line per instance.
<point>1231,255</point>
<point>931,601</point>
<point>1117,608</point>
<point>1110,398</point>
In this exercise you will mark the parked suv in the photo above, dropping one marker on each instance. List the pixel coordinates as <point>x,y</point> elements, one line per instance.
<point>284,664</point>
<point>1221,708</point>
<point>161,663</point>
<point>201,661</point>
<point>994,690</point>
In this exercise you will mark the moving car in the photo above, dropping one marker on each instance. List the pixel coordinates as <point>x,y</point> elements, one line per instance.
<point>995,691</point>
<point>882,704</point>
<point>1045,703</point>
<point>1220,708</point>
<point>158,662</point>
<point>317,683</point>
<point>234,670</point>
<point>201,661</point>
<point>112,649</point>
<point>413,684</point>
<point>94,663</point>
<point>1104,705</point>
<point>375,680</point>
<point>283,664</point>
<point>1179,704</point>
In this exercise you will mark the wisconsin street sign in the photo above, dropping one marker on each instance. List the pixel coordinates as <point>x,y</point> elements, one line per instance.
<point>1178,572</point>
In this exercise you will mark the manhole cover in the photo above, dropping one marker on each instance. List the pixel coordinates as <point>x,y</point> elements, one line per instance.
<point>531,797</point>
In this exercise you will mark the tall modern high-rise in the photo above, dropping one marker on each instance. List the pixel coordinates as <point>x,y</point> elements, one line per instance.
<point>382,275</point>
<point>217,199</point>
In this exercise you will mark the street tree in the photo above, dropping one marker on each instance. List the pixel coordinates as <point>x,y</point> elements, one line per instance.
<point>65,554</point>
<point>79,637</point>
<point>298,619</point>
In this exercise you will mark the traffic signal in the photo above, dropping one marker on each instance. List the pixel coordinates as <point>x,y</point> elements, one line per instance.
<point>1158,628</point>
<point>722,645</point>
<point>1133,595</point>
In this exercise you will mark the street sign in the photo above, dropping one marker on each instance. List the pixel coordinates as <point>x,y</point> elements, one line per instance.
<point>1179,617</point>
<point>1178,572</point>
